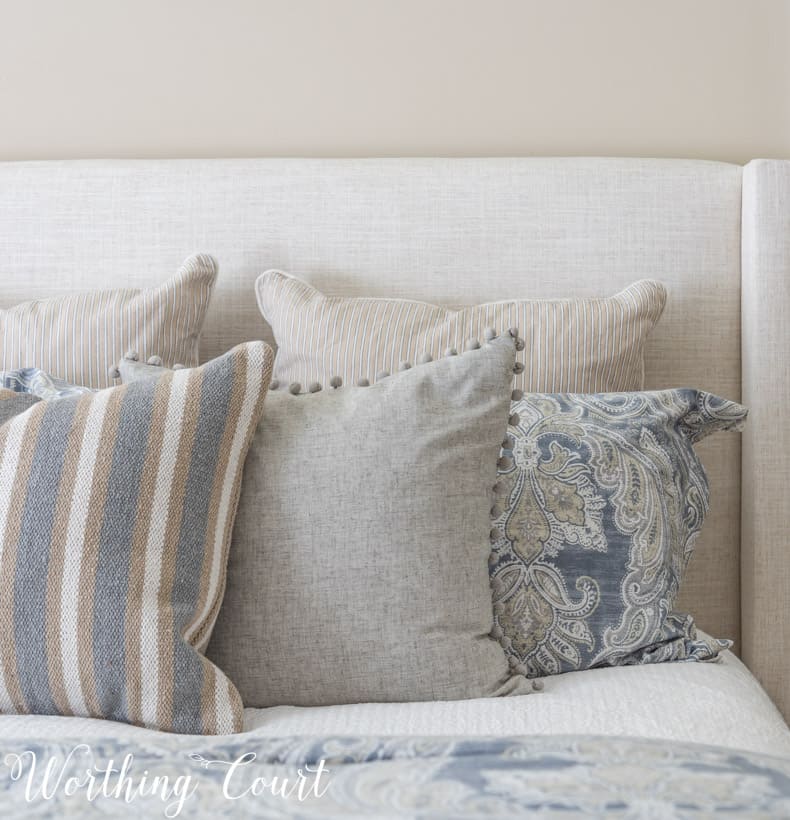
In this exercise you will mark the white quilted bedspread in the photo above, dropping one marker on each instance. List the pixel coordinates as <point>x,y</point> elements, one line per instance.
<point>718,703</point>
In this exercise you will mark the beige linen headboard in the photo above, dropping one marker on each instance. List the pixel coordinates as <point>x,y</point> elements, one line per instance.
<point>464,230</point>
<point>765,362</point>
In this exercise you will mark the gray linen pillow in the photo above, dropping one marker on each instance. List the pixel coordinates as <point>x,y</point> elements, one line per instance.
<point>13,403</point>
<point>359,565</point>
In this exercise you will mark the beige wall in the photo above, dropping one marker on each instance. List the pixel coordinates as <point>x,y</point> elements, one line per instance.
<point>151,78</point>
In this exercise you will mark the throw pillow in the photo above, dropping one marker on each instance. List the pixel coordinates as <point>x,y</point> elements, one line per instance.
<point>79,337</point>
<point>358,570</point>
<point>584,345</point>
<point>601,498</point>
<point>116,510</point>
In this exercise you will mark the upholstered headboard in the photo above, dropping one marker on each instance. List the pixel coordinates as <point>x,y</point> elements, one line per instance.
<point>464,230</point>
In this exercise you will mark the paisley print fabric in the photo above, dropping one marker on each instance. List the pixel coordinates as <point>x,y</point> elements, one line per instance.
<point>389,777</point>
<point>601,498</point>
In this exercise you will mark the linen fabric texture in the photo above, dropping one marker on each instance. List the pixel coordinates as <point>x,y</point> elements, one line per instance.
<point>765,566</point>
<point>116,510</point>
<point>582,345</point>
<point>79,337</point>
<point>358,571</point>
<point>12,403</point>
<point>603,498</point>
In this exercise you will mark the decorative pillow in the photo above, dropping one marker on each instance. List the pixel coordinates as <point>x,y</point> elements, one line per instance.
<point>79,337</point>
<point>359,563</point>
<point>585,345</point>
<point>601,500</point>
<point>116,511</point>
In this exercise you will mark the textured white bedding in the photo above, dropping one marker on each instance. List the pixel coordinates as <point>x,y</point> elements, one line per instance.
<point>714,703</point>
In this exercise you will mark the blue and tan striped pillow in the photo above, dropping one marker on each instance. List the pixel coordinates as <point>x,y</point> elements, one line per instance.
<point>116,510</point>
<point>80,336</point>
<point>584,345</point>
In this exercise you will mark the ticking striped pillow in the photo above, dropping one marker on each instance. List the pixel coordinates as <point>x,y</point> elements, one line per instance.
<point>116,510</point>
<point>575,345</point>
<point>79,337</point>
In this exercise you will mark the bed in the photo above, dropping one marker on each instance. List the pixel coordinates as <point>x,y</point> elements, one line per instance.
<point>457,232</point>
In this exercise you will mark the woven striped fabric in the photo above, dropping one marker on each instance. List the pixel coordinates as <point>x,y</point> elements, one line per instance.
<point>80,337</point>
<point>116,510</point>
<point>574,345</point>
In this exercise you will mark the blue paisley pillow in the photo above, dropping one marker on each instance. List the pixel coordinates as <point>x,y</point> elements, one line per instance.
<point>601,498</point>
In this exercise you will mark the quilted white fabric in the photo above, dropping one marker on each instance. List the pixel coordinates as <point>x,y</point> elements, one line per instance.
<point>716,703</point>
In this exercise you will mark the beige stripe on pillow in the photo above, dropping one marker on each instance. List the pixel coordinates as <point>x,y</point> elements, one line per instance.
<point>80,337</point>
<point>570,345</point>
<point>57,562</point>
<point>224,499</point>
